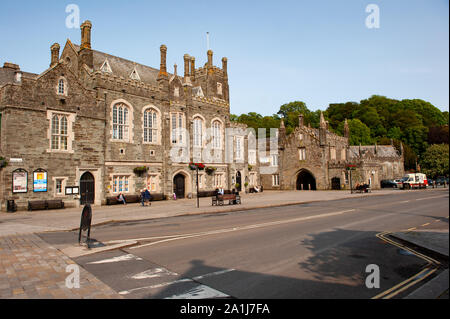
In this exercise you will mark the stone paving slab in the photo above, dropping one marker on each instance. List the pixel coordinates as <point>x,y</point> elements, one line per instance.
<point>436,240</point>
<point>32,269</point>
<point>435,287</point>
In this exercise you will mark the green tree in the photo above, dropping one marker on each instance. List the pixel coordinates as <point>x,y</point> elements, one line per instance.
<point>359,132</point>
<point>434,162</point>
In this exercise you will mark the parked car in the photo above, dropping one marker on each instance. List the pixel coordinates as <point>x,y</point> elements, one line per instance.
<point>441,180</point>
<point>430,182</point>
<point>387,183</point>
<point>399,182</point>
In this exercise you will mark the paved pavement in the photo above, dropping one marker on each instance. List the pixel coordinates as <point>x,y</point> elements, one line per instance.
<point>31,268</point>
<point>437,242</point>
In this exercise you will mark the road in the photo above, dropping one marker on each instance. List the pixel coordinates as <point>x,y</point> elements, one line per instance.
<point>316,250</point>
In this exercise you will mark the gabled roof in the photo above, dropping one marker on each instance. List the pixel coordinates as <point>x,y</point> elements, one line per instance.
<point>123,67</point>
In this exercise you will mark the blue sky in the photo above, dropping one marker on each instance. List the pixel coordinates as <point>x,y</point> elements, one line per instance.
<point>319,52</point>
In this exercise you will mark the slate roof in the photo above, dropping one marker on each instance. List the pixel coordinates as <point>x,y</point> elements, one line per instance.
<point>383,151</point>
<point>123,67</point>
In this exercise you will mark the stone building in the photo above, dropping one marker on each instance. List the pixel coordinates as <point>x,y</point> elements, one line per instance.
<point>87,125</point>
<point>317,159</point>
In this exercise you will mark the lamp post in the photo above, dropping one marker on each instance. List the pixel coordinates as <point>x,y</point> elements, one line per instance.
<point>198,198</point>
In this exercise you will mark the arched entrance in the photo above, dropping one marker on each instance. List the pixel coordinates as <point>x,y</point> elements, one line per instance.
<point>336,183</point>
<point>239,181</point>
<point>87,189</point>
<point>306,181</point>
<point>179,185</point>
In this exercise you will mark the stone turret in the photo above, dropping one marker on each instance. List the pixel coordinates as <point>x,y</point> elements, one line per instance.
<point>322,130</point>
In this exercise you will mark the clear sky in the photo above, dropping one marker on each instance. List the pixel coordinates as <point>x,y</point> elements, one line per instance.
<point>319,52</point>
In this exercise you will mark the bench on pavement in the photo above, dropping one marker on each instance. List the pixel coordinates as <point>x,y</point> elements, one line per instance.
<point>55,204</point>
<point>37,205</point>
<point>233,199</point>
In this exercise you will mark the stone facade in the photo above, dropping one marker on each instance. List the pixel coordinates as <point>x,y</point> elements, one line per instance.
<point>317,159</point>
<point>92,118</point>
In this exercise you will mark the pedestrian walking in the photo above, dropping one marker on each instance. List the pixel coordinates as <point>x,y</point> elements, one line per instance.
<point>147,196</point>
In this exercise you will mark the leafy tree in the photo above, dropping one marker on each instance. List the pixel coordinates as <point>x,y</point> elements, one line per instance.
<point>359,133</point>
<point>434,162</point>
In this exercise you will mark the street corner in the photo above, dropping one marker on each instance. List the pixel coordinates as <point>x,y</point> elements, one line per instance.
<point>83,249</point>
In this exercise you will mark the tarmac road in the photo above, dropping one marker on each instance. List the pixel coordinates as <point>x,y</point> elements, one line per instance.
<point>317,250</point>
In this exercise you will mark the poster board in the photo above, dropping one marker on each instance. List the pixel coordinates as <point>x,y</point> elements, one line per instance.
<point>39,181</point>
<point>19,181</point>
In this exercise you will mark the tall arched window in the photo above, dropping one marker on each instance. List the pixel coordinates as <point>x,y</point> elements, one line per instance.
<point>217,134</point>
<point>59,132</point>
<point>150,126</point>
<point>61,88</point>
<point>198,132</point>
<point>120,122</point>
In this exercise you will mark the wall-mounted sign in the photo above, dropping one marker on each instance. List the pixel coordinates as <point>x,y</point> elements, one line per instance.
<point>39,181</point>
<point>72,190</point>
<point>20,181</point>
<point>15,160</point>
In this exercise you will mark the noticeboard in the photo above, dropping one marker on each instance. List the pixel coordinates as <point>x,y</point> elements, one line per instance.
<point>20,181</point>
<point>39,181</point>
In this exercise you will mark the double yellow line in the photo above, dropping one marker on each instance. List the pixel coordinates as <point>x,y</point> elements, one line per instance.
<point>429,269</point>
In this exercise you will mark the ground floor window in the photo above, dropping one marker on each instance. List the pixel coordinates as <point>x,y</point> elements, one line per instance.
<point>275,180</point>
<point>59,187</point>
<point>153,183</point>
<point>120,184</point>
<point>219,180</point>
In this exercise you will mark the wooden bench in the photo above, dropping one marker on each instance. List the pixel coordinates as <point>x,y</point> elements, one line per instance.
<point>233,199</point>
<point>112,200</point>
<point>55,204</point>
<point>37,205</point>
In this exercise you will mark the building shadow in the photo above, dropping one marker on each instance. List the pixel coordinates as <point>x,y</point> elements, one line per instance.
<point>333,267</point>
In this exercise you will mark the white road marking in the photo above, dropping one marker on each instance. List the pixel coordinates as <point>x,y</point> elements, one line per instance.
<point>405,201</point>
<point>154,273</point>
<point>200,292</point>
<point>221,272</point>
<point>126,292</point>
<point>116,259</point>
<point>431,197</point>
<point>221,231</point>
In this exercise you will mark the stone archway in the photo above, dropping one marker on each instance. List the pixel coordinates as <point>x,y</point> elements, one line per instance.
<point>306,181</point>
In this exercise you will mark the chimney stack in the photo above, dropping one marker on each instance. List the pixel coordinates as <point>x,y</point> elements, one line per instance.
<point>192,68</point>
<point>86,28</point>
<point>163,67</point>
<point>186,65</point>
<point>54,49</point>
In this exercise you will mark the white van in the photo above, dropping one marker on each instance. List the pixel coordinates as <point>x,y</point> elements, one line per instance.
<point>415,180</point>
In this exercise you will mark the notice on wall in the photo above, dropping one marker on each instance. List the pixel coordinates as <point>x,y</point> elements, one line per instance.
<point>20,182</point>
<point>40,182</point>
